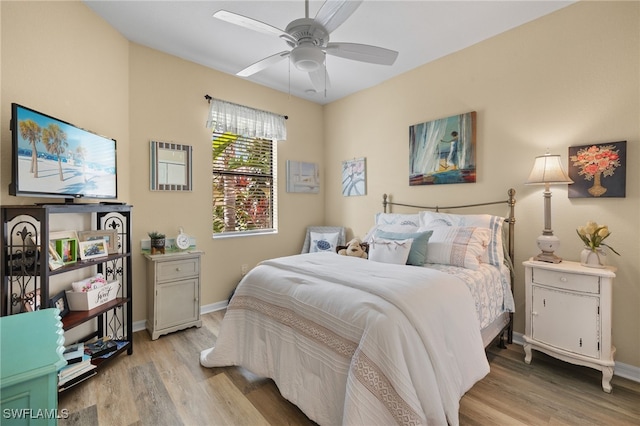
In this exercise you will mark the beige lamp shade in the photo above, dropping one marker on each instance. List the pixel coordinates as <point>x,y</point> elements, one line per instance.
<point>548,169</point>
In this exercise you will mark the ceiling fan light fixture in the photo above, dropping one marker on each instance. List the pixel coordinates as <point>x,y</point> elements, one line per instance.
<point>307,58</point>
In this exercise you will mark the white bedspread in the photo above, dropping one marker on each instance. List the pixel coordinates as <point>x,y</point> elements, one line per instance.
<point>356,342</point>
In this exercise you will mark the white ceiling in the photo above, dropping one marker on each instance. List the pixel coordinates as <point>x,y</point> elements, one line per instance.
<point>420,30</point>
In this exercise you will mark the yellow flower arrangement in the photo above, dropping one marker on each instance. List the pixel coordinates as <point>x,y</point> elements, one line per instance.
<point>593,234</point>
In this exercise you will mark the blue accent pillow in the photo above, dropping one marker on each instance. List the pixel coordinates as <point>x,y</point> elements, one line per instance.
<point>418,253</point>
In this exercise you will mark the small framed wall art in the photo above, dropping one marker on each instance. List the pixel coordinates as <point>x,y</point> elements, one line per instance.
<point>303,177</point>
<point>354,177</point>
<point>598,170</point>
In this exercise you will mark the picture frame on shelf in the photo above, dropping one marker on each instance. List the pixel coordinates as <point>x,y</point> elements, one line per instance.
<point>31,301</point>
<point>60,301</point>
<point>93,249</point>
<point>110,237</point>
<point>67,248</point>
<point>55,261</point>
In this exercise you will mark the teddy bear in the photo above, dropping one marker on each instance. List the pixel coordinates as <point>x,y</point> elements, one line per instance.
<point>355,248</point>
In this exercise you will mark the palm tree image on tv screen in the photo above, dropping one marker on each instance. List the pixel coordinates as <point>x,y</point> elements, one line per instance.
<point>56,159</point>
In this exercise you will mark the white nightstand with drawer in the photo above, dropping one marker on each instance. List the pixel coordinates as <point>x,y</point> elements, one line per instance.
<point>173,292</point>
<point>568,314</point>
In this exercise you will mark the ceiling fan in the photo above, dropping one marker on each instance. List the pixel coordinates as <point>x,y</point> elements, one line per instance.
<point>309,41</point>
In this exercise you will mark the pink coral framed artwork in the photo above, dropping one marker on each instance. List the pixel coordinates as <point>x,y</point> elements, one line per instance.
<point>598,170</point>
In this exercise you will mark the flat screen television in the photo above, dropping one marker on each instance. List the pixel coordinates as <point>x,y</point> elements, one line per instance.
<point>52,158</point>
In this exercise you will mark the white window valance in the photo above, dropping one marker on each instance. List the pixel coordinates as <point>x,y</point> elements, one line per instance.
<point>244,121</point>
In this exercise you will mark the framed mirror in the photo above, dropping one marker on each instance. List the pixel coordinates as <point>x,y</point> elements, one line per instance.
<point>170,166</point>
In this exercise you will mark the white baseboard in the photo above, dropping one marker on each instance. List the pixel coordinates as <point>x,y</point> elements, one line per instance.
<point>218,306</point>
<point>621,369</point>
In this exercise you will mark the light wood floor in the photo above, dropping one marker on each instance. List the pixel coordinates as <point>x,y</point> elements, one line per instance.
<point>162,383</point>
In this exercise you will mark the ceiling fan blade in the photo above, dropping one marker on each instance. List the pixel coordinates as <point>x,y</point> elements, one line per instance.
<point>263,64</point>
<point>251,24</point>
<point>362,53</point>
<point>320,79</point>
<point>334,12</point>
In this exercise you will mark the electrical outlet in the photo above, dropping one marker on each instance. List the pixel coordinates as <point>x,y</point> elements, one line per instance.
<point>244,269</point>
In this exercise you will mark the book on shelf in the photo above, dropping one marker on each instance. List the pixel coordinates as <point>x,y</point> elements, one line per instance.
<point>100,347</point>
<point>77,379</point>
<point>62,379</point>
<point>74,353</point>
<point>70,369</point>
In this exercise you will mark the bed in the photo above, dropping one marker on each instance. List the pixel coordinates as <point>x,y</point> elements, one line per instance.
<point>379,341</point>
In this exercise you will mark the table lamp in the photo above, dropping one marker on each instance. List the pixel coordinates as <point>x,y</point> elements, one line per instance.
<point>548,170</point>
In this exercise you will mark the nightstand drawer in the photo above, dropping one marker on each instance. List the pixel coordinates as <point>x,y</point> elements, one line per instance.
<point>567,281</point>
<point>177,269</point>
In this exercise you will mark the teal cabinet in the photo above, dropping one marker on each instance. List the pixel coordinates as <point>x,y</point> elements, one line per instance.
<point>31,347</point>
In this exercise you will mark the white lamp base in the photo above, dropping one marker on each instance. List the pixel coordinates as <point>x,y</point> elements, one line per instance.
<point>548,244</point>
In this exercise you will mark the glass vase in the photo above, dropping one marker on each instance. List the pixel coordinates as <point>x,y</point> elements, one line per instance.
<point>596,258</point>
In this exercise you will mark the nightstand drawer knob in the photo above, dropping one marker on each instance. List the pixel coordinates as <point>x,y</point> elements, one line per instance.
<point>564,279</point>
<point>178,269</point>
<point>534,313</point>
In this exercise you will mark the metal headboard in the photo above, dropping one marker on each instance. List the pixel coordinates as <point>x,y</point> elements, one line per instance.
<point>511,219</point>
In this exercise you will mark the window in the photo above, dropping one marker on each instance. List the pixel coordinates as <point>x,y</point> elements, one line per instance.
<point>244,151</point>
<point>244,184</point>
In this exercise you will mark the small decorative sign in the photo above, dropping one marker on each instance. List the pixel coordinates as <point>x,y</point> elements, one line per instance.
<point>87,300</point>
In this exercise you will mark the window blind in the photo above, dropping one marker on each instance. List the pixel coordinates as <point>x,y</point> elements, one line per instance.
<point>243,184</point>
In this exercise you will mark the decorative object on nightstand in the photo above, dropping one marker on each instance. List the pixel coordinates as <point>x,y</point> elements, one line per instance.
<point>548,170</point>
<point>568,314</point>
<point>593,235</point>
<point>182,240</point>
<point>157,242</point>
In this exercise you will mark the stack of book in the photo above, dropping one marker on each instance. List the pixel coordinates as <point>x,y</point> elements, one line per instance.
<point>82,360</point>
<point>78,368</point>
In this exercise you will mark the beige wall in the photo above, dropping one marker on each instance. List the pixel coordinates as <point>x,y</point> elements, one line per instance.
<point>167,104</point>
<point>70,64</point>
<point>570,78</point>
<point>59,58</point>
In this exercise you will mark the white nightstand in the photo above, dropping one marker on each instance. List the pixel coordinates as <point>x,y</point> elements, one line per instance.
<point>173,286</point>
<point>568,314</point>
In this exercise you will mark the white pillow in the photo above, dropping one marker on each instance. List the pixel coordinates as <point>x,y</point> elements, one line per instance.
<point>458,246</point>
<point>368,238</point>
<point>323,242</point>
<point>397,219</point>
<point>390,251</point>
<point>494,254</point>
